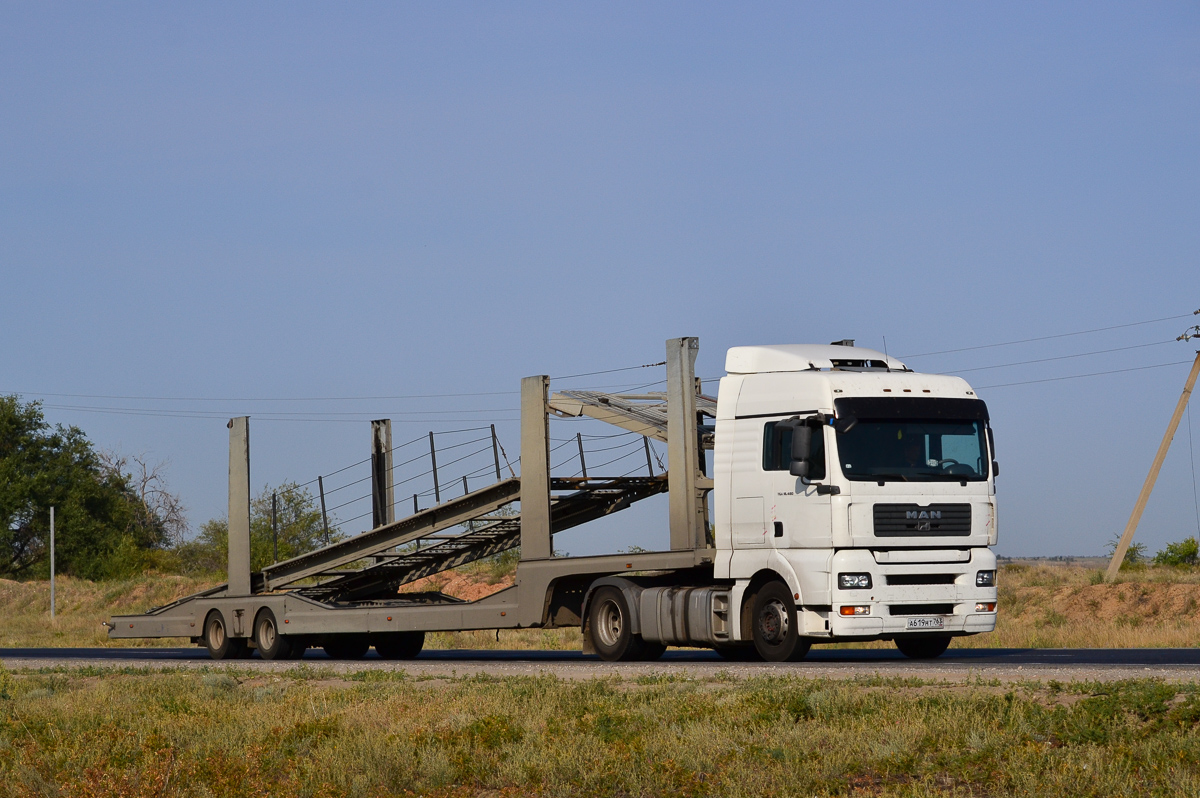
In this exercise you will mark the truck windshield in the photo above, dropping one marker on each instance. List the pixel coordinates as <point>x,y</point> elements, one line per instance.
<point>914,450</point>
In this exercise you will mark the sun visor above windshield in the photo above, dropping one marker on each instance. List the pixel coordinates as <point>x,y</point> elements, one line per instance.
<point>924,407</point>
<point>807,357</point>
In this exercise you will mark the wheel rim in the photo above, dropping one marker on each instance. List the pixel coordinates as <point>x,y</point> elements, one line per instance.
<point>609,623</point>
<point>774,622</point>
<point>216,634</point>
<point>266,634</point>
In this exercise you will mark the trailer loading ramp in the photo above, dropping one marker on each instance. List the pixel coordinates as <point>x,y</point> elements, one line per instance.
<point>428,549</point>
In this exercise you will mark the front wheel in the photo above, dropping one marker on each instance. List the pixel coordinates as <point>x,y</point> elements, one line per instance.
<point>923,647</point>
<point>776,636</point>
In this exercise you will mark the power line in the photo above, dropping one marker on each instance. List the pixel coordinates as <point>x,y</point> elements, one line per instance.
<point>1049,337</point>
<point>1078,376</point>
<point>609,371</point>
<point>1061,357</point>
<point>261,399</point>
<point>285,399</point>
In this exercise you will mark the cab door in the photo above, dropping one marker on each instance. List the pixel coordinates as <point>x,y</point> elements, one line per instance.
<point>795,515</point>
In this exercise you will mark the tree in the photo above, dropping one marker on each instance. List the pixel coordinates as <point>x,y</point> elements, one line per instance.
<point>103,528</point>
<point>300,531</point>
<point>157,511</point>
<point>1185,552</point>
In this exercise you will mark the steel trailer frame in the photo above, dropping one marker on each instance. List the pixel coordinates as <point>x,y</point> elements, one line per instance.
<point>320,596</point>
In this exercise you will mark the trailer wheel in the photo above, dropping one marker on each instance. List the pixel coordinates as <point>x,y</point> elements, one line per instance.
<point>399,645</point>
<point>218,642</point>
<point>346,646</point>
<point>776,636</point>
<point>608,627</point>
<point>923,647</point>
<point>271,643</point>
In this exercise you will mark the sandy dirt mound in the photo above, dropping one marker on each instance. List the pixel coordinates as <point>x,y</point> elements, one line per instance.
<point>1107,603</point>
<point>464,586</point>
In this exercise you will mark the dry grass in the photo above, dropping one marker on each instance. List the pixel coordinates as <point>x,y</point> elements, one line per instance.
<point>1049,606</point>
<point>1041,606</point>
<point>308,732</point>
<point>82,607</point>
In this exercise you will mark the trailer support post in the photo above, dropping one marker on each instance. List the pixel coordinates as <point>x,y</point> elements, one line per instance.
<point>437,491</point>
<point>239,506</point>
<point>688,503</point>
<point>324,517</point>
<point>496,452</point>
<point>383,499</point>
<point>535,469</point>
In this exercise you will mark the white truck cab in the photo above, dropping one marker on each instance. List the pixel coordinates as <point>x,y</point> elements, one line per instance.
<point>866,488</point>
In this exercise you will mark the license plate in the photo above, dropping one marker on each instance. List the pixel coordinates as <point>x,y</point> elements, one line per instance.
<point>924,623</point>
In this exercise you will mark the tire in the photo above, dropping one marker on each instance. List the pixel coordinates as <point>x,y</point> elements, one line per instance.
<point>609,629</point>
<point>738,653</point>
<point>930,647</point>
<point>218,642</point>
<point>652,651</point>
<point>347,646</point>
<point>299,646</point>
<point>776,636</point>
<point>398,645</point>
<point>272,644</point>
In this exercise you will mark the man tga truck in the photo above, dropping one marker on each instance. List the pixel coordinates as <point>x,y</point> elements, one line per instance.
<point>853,499</point>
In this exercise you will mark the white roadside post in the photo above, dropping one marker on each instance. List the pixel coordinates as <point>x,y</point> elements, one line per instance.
<point>52,563</point>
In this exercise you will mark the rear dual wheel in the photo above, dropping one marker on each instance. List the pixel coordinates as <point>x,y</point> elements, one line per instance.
<point>610,632</point>
<point>271,643</point>
<point>218,641</point>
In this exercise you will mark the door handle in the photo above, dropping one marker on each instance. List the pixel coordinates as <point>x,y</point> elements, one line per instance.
<point>778,529</point>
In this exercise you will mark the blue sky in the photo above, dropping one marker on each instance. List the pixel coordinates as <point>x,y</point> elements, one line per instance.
<point>240,206</point>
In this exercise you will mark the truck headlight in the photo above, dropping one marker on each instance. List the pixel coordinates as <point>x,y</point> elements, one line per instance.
<point>854,581</point>
<point>985,579</point>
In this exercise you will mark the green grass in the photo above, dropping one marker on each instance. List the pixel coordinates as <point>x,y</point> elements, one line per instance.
<point>311,732</point>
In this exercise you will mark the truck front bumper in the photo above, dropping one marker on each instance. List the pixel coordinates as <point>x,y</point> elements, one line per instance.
<point>912,597</point>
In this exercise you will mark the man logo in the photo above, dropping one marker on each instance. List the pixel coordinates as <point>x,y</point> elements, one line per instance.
<point>923,518</point>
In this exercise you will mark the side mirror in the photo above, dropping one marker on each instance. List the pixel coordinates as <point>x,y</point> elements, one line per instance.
<point>843,424</point>
<point>801,450</point>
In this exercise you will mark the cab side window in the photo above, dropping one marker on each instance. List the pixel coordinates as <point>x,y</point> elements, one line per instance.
<point>777,450</point>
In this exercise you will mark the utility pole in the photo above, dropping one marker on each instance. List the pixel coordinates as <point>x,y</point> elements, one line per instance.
<point>1139,507</point>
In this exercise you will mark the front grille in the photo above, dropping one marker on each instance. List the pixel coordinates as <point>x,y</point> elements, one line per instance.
<point>913,520</point>
<point>921,609</point>
<point>921,579</point>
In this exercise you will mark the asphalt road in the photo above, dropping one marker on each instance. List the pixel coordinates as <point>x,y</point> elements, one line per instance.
<point>1004,664</point>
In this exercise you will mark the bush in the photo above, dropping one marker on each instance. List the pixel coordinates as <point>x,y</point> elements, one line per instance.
<point>1185,552</point>
<point>1135,555</point>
